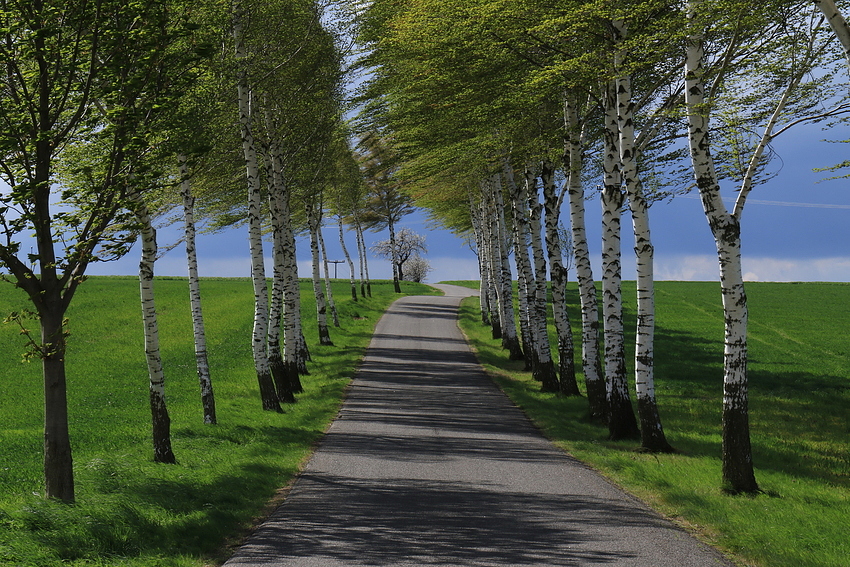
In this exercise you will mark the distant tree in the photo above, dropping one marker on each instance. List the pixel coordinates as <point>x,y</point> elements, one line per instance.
<point>416,269</point>
<point>406,244</point>
<point>385,204</point>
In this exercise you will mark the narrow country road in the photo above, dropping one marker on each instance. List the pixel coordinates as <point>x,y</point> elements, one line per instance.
<point>429,463</point>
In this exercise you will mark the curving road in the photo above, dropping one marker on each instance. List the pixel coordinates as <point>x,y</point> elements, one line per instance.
<point>429,463</point>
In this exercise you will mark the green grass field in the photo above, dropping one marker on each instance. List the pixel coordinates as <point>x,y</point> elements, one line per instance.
<point>131,511</point>
<point>799,356</point>
<point>135,513</point>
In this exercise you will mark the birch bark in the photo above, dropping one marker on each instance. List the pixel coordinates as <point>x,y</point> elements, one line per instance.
<point>160,419</point>
<point>268,395</point>
<point>534,357</point>
<point>314,221</point>
<point>652,433</point>
<point>483,283</point>
<point>621,418</point>
<point>539,320</point>
<point>837,22</point>
<point>492,259</point>
<point>524,276</point>
<point>280,370</point>
<point>737,462</point>
<point>587,290</point>
<point>510,340</point>
<point>558,276</point>
<point>328,290</point>
<point>295,354</point>
<point>365,284</point>
<point>348,259</point>
<point>201,360</point>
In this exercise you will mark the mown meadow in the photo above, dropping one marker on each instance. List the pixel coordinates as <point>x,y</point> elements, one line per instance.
<point>799,355</point>
<point>135,513</point>
<point>129,510</point>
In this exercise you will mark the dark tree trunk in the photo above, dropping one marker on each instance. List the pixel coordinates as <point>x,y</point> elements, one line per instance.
<point>58,464</point>
<point>162,452</point>
<point>622,423</point>
<point>280,376</point>
<point>652,435</point>
<point>737,470</point>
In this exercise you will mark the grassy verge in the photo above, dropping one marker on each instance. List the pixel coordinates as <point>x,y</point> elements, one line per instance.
<point>800,392</point>
<point>131,511</point>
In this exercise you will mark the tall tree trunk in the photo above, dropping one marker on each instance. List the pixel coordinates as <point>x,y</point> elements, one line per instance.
<point>558,276</point>
<point>201,361</point>
<point>394,258</point>
<point>159,412</point>
<point>268,395</point>
<point>488,263</point>
<point>328,290</point>
<point>540,318</point>
<point>58,463</point>
<point>587,289</point>
<point>280,370</point>
<point>295,354</point>
<point>502,271</point>
<point>314,221</point>
<point>736,452</point>
<point>365,283</point>
<point>347,259</point>
<point>652,432</point>
<point>47,296</point>
<point>621,418</point>
<point>525,277</point>
<point>483,285</point>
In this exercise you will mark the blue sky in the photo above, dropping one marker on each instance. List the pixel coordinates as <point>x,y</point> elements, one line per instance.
<point>794,228</point>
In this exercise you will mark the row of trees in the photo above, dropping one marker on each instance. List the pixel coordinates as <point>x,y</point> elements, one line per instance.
<point>503,111</point>
<point>115,115</point>
<point>490,113</point>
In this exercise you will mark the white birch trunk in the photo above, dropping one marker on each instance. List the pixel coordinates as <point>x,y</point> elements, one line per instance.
<point>491,259</point>
<point>365,284</point>
<point>483,280</point>
<point>295,354</point>
<point>540,319</point>
<point>621,418</point>
<point>558,276</point>
<point>510,340</point>
<point>328,290</point>
<point>736,452</point>
<point>837,22</point>
<point>652,433</point>
<point>280,370</point>
<point>160,419</point>
<point>525,278</point>
<point>348,259</point>
<point>587,290</point>
<point>314,221</point>
<point>255,237</point>
<point>201,360</point>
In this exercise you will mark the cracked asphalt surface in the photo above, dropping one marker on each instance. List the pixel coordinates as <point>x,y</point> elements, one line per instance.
<point>429,463</point>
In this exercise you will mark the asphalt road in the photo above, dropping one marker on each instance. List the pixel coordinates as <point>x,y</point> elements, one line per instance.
<point>429,463</point>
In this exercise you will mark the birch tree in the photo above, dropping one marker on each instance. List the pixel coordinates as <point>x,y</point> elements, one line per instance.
<point>793,39</point>
<point>59,56</point>
<point>160,419</point>
<point>259,350</point>
<point>621,419</point>
<point>558,274</point>
<point>200,340</point>
<point>386,204</point>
